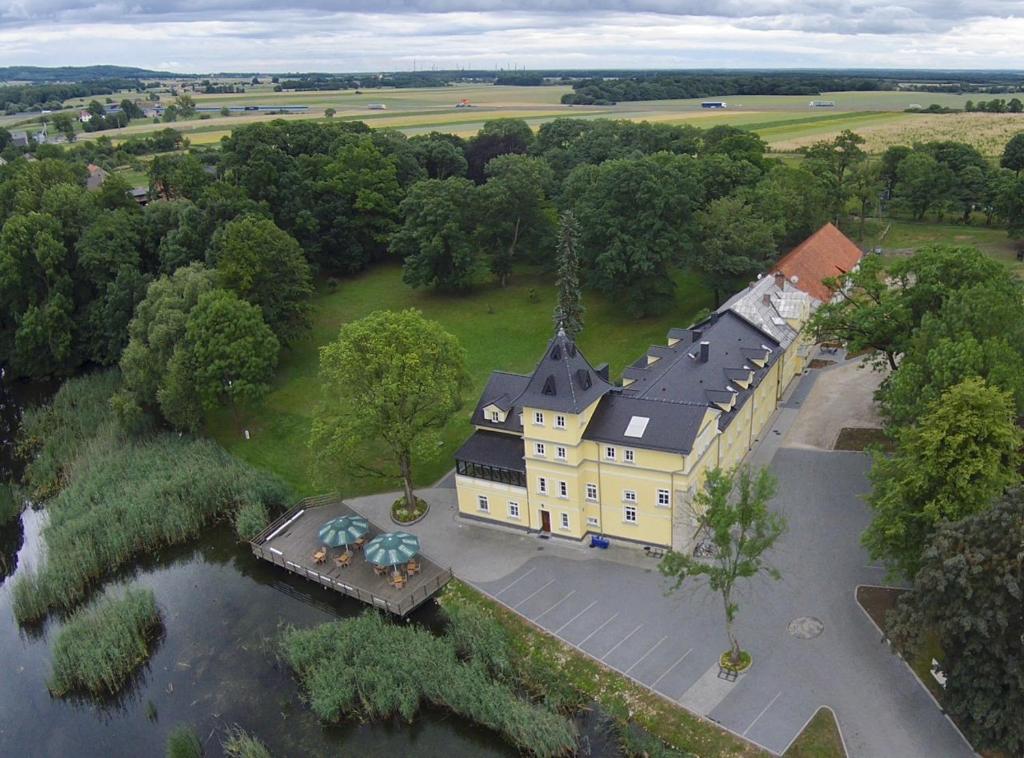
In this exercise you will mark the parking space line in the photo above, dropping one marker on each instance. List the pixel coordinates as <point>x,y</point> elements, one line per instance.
<point>641,626</point>
<point>569,595</point>
<point>669,669</point>
<point>516,581</point>
<point>575,617</point>
<point>540,589</point>
<point>606,623</point>
<point>647,653</point>
<point>763,711</point>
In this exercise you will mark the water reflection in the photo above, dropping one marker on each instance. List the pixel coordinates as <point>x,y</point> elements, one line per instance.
<point>215,664</point>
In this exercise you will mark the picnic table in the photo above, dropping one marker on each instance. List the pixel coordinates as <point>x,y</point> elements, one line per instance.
<point>320,556</point>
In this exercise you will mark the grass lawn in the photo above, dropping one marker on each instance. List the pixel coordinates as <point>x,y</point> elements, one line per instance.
<point>819,739</point>
<point>617,696</point>
<point>499,329</point>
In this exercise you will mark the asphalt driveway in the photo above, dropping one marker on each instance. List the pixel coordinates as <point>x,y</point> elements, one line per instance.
<point>612,605</point>
<point>620,615</point>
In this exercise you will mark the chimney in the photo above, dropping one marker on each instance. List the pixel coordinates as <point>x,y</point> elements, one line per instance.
<point>714,317</point>
<point>697,334</point>
<point>780,280</point>
<point>705,351</point>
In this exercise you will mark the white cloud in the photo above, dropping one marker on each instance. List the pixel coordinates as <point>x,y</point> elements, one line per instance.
<point>236,35</point>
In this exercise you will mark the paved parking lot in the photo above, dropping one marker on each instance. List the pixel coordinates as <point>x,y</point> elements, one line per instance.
<point>612,604</point>
<point>621,616</point>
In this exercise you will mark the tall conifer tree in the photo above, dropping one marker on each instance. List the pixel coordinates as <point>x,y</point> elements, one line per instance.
<point>569,311</point>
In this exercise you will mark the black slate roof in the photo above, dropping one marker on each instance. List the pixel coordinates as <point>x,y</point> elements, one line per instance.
<point>564,380</point>
<point>493,449</point>
<point>672,426</point>
<point>502,390</point>
<point>733,346</point>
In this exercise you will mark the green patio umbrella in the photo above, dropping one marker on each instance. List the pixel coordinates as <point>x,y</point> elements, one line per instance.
<point>391,548</point>
<point>343,530</point>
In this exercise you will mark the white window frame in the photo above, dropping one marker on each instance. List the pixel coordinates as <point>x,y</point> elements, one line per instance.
<point>560,453</point>
<point>538,418</point>
<point>629,514</point>
<point>559,422</point>
<point>629,455</point>
<point>539,450</point>
<point>565,521</point>
<point>609,453</point>
<point>495,417</point>
<point>542,485</point>
<point>629,496</point>
<point>665,495</point>
<point>513,509</point>
<point>591,487</point>
<point>483,504</point>
<point>592,521</point>
<point>563,489</point>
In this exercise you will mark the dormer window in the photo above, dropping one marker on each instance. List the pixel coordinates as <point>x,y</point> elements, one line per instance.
<point>495,417</point>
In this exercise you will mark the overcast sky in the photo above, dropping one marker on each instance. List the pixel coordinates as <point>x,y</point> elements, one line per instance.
<point>368,35</point>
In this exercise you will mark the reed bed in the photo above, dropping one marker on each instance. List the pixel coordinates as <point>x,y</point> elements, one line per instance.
<point>100,647</point>
<point>183,742</point>
<point>238,743</point>
<point>370,668</point>
<point>120,496</point>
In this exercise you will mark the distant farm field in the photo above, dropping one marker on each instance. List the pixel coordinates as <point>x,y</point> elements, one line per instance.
<point>785,122</point>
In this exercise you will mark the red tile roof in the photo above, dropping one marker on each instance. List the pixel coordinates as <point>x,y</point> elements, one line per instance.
<point>826,253</point>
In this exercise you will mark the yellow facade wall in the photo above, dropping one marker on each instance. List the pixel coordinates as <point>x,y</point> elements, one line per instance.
<point>470,489</point>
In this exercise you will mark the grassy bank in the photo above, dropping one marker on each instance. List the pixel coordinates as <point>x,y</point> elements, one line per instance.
<point>117,495</point>
<point>552,669</point>
<point>371,668</point>
<point>99,647</point>
<point>819,739</point>
<point>499,328</point>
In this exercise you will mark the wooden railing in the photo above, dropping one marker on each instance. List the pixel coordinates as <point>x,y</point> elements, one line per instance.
<point>405,605</point>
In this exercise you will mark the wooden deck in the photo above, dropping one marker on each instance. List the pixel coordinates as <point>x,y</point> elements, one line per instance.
<point>291,540</point>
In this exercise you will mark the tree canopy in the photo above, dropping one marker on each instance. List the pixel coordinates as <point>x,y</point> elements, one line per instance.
<point>969,594</point>
<point>265,266</point>
<point>390,380</point>
<point>962,455</point>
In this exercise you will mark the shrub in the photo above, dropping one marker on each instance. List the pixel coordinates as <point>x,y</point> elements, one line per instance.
<point>370,668</point>
<point>183,742</point>
<point>121,496</point>
<point>100,647</point>
<point>250,520</point>
<point>401,513</point>
<point>240,744</point>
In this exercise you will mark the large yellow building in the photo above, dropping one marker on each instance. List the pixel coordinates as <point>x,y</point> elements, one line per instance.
<point>563,451</point>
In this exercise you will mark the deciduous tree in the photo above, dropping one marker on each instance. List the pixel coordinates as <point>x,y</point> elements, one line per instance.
<point>637,219</point>
<point>228,349</point>
<point>960,456</point>
<point>516,211</point>
<point>969,595</point>
<point>1013,154</point>
<point>734,513</point>
<point>391,380</point>
<point>266,267</point>
<point>437,237</point>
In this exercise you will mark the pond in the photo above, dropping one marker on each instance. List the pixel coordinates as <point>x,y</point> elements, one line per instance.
<point>214,665</point>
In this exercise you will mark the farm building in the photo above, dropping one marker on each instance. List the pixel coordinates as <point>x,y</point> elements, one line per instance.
<point>714,104</point>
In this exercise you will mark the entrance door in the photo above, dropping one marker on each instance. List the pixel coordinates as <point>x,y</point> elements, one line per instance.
<point>545,521</point>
